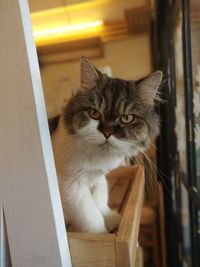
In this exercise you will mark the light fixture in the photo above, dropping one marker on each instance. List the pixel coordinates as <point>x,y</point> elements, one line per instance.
<point>67,30</point>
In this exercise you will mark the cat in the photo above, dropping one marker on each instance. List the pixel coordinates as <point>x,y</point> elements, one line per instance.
<point>107,120</point>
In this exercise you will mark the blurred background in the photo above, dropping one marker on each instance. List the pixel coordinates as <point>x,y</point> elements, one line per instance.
<point>129,39</point>
<point>113,34</point>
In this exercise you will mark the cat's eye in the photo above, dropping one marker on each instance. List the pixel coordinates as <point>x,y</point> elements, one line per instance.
<point>94,114</point>
<point>126,119</point>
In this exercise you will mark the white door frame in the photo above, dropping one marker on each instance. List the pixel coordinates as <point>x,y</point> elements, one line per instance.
<point>30,202</point>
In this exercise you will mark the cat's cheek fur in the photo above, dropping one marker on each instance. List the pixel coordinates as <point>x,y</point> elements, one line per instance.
<point>91,130</point>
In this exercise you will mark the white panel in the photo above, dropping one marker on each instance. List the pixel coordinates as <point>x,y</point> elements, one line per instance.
<point>5,260</point>
<point>28,185</point>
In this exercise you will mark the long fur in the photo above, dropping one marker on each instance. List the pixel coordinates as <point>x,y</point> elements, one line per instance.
<point>83,152</point>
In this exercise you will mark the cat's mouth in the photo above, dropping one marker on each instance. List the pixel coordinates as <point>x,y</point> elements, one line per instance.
<point>106,144</point>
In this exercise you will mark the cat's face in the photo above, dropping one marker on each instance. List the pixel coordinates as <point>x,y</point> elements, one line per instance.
<point>111,114</point>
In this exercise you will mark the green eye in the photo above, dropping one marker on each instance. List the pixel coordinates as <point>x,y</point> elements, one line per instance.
<point>94,114</point>
<point>126,119</point>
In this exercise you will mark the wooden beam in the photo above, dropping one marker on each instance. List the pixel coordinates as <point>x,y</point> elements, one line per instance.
<point>67,51</point>
<point>138,19</point>
<point>127,235</point>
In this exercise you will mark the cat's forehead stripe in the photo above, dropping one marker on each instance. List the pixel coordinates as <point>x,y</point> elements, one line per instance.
<point>122,100</point>
<point>108,95</point>
<point>114,94</point>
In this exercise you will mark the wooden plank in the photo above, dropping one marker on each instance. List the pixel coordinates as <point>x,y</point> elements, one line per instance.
<point>93,52</point>
<point>68,46</point>
<point>112,180</point>
<point>120,188</point>
<point>138,19</point>
<point>92,250</point>
<point>127,235</point>
<point>67,51</point>
<point>28,186</point>
<point>119,194</point>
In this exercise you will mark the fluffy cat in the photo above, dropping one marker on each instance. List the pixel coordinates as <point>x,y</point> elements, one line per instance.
<point>107,120</point>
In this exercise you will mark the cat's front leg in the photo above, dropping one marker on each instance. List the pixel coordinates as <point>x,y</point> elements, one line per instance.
<point>81,210</point>
<point>100,195</point>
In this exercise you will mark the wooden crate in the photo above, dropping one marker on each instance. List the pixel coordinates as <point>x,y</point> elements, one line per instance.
<point>126,187</point>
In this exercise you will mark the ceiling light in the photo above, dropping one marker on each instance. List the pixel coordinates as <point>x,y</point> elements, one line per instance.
<point>68,29</point>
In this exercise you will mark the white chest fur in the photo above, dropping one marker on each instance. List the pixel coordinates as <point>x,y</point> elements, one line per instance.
<point>81,172</point>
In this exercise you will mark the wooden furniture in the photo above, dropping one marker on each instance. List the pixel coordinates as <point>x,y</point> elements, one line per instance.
<point>115,249</point>
<point>152,229</point>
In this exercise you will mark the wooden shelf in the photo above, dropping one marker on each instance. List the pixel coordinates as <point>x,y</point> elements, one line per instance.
<point>115,249</point>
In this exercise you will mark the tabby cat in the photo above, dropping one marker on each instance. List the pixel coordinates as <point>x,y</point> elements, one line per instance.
<point>107,120</point>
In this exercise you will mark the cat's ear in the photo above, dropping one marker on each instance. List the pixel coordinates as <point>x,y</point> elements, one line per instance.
<point>148,87</point>
<point>89,74</point>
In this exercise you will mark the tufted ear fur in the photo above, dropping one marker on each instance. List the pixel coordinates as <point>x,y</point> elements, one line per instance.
<point>89,74</point>
<point>148,87</point>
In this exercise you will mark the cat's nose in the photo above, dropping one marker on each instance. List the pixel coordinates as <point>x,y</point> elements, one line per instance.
<point>106,130</point>
<point>106,134</point>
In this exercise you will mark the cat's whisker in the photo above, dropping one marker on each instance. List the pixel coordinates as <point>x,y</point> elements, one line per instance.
<point>140,162</point>
<point>152,145</point>
<point>151,179</point>
<point>155,171</point>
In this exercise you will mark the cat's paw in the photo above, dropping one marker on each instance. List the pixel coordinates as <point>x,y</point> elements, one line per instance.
<point>112,220</point>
